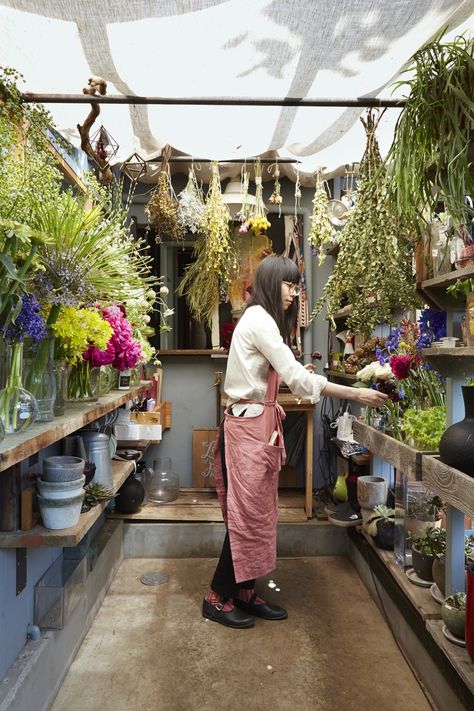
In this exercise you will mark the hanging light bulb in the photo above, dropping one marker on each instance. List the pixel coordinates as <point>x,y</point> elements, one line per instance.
<point>233,198</point>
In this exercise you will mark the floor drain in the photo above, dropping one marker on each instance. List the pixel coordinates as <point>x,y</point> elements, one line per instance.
<point>156,578</point>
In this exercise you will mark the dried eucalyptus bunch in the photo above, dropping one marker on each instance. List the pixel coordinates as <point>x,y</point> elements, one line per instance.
<point>191,204</point>
<point>373,271</point>
<point>216,256</point>
<point>162,210</point>
<point>321,231</point>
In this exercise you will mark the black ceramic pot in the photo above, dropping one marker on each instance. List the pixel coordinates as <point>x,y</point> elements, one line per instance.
<point>130,496</point>
<point>457,444</point>
<point>385,535</point>
<point>422,564</point>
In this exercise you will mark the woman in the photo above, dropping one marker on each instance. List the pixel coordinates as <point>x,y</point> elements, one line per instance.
<point>249,450</point>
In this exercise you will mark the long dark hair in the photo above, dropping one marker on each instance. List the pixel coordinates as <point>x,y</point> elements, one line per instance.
<point>266,291</point>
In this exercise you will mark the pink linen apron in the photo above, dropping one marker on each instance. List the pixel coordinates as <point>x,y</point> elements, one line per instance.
<point>250,503</point>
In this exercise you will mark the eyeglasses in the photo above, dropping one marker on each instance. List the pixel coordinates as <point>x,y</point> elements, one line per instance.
<point>293,288</point>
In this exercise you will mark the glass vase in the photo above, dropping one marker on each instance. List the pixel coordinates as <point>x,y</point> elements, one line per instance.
<point>18,407</point>
<point>83,382</point>
<point>161,482</point>
<point>60,369</point>
<point>39,375</point>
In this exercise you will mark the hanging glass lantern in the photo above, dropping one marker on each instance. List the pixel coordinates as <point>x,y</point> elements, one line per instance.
<point>104,145</point>
<point>134,167</point>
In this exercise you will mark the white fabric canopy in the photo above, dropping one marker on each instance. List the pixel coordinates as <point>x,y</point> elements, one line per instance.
<point>225,48</point>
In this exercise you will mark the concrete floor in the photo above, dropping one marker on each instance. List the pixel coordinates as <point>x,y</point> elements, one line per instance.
<point>149,649</point>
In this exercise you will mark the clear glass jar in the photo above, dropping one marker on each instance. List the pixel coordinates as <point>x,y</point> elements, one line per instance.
<point>39,375</point>
<point>161,482</point>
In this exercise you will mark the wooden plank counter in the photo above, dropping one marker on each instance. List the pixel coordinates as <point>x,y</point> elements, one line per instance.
<point>16,447</point>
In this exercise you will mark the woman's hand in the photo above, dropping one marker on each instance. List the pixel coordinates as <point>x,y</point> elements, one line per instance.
<point>371,398</point>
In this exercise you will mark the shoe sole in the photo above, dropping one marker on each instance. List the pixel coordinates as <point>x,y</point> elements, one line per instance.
<point>226,624</point>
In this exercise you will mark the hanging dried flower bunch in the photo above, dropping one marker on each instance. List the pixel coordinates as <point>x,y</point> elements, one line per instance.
<point>162,210</point>
<point>321,231</point>
<point>276,198</point>
<point>373,270</point>
<point>191,204</point>
<point>216,257</point>
<point>245,211</point>
<point>258,223</point>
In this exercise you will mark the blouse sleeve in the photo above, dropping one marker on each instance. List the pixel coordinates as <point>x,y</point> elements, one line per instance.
<point>301,381</point>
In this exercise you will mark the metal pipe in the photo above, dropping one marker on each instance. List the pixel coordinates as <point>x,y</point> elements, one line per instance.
<point>192,159</point>
<point>368,102</point>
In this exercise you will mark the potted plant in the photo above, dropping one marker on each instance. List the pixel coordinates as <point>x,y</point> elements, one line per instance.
<point>453,612</point>
<point>423,511</point>
<point>465,288</point>
<point>381,526</point>
<point>425,546</point>
<point>439,564</point>
<point>430,152</point>
<point>423,429</point>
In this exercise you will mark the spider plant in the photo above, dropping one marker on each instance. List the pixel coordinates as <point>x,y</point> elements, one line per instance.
<point>429,153</point>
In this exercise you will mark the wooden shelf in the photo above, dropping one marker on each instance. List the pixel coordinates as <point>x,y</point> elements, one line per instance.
<point>40,536</point>
<point>451,485</point>
<point>404,458</point>
<point>458,656</point>
<point>337,375</point>
<point>16,447</point>
<point>420,597</point>
<point>215,353</point>
<point>451,362</point>
<point>435,288</point>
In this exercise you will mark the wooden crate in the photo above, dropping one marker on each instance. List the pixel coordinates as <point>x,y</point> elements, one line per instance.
<point>203,457</point>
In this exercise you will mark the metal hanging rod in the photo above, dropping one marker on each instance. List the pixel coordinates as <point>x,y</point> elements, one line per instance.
<point>192,159</point>
<point>361,103</point>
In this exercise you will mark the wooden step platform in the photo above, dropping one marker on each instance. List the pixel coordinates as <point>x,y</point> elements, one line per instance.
<point>194,505</point>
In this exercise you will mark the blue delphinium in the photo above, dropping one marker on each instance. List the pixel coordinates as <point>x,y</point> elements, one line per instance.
<point>29,322</point>
<point>432,326</point>
<point>393,339</point>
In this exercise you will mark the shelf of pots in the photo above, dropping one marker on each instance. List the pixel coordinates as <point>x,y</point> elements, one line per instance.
<point>403,457</point>
<point>66,537</point>
<point>16,447</point>
<point>419,597</point>
<point>435,289</point>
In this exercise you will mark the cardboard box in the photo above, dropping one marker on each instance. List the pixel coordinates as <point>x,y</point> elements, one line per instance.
<point>134,431</point>
<point>203,457</point>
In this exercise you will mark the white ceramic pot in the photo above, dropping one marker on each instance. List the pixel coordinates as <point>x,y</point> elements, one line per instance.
<point>61,489</point>
<point>371,491</point>
<point>62,513</point>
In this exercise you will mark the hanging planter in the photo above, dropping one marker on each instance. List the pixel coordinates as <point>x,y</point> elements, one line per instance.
<point>431,154</point>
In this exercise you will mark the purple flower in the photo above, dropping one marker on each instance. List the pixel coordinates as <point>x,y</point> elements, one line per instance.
<point>433,323</point>
<point>393,339</point>
<point>381,356</point>
<point>29,322</point>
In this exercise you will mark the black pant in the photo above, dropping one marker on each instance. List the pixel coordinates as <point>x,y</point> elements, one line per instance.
<point>224,582</point>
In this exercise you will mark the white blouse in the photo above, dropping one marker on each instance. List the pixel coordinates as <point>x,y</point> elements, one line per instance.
<point>256,343</point>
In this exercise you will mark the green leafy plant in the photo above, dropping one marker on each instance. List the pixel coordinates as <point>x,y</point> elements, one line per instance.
<point>462,287</point>
<point>373,269</point>
<point>430,541</point>
<point>425,427</point>
<point>425,508</point>
<point>429,153</point>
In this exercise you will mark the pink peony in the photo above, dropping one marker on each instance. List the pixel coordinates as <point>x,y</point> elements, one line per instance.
<point>123,351</point>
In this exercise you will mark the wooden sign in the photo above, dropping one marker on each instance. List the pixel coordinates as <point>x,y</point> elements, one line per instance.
<point>203,457</point>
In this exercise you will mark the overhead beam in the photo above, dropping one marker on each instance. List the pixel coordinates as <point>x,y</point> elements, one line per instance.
<point>363,102</point>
